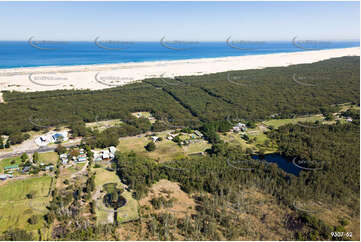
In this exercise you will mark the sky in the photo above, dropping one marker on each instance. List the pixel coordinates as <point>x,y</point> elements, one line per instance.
<point>197,21</point>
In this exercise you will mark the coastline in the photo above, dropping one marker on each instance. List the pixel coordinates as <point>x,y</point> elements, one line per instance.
<point>101,76</point>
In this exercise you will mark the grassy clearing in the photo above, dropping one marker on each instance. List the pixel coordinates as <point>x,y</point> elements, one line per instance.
<point>126,213</point>
<point>49,157</point>
<point>8,162</point>
<point>101,125</point>
<point>17,189</point>
<point>196,147</point>
<point>16,209</point>
<point>166,149</point>
<point>279,122</point>
<point>236,140</point>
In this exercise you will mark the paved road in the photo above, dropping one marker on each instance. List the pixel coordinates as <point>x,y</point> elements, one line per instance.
<point>41,149</point>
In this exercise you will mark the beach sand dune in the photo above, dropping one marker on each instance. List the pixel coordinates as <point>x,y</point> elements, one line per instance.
<point>95,77</point>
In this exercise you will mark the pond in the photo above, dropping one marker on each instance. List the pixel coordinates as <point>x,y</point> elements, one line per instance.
<point>281,161</point>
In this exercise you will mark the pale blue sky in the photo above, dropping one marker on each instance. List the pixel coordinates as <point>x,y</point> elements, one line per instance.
<point>201,21</point>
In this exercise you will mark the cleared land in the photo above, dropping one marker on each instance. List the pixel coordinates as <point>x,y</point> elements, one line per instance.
<point>101,125</point>
<point>105,215</point>
<point>8,162</point>
<point>166,149</point>
<point>49,157</point>
<point>16,209</point>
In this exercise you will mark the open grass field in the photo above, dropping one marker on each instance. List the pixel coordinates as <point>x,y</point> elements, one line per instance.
<point>196,147</point>
<point>17,189</point>
<point>16,209</point>
<point>101,125</point>
<point>279,122</point>
<point>126,213</point>
<point>235,139</point>
<point>49,157</point>
<point>9,161</point>
<point>166,149</point>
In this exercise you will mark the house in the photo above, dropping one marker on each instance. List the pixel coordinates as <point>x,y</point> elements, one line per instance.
<point>155,138</point>
<point>105,155</point>
<point>171,136</point>
<point>3,177</point>
<point>11,168</point>
<point>63,156</point>
<point>60,136</point>
<point>50,167</point>
<point>112,149</point>
<point>349,119</point>
<point>239,127</point>
<point>81,159</point>
<point>199,134</point>
<point>26,169</point>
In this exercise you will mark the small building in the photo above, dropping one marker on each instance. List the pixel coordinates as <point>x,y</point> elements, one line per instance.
<point>81,159</point>
<point>50,167</point>
<point>64,161</point>
<point>349,119</point>
<point>64,155</point>
<point>239,127</point>
<point>105,155</point>
<point>3,177</point>
<point>155,138</point>
<point>112,149</point>
<point>199,134</point>
<point>11,168</point>
<point>26,169</point>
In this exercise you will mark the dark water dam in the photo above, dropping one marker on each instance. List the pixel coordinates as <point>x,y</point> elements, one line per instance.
<point>281,161</point>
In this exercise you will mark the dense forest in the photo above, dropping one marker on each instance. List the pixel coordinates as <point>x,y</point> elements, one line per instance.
<point>189,100</point>
<point>217,181</point>
<point>223,175</point>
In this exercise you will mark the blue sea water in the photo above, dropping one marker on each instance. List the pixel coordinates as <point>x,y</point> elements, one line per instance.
<point>41,53</point>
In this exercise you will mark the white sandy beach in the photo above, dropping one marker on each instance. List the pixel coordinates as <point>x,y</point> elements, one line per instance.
<point>96,77</point>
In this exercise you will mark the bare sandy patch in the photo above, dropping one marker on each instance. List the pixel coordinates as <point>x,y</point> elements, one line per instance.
<point>183,204</point>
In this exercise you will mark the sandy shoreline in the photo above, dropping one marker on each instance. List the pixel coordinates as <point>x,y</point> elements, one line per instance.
<point>102,76</point>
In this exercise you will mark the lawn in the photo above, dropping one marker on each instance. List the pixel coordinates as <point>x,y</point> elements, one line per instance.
<point>166,149</point>
<point>8,161</point>
<point>101,125</point>
<point>126,213</point>
<point>18,189</point>
<point>279,122</point>
<point>49,157</point>
<point>16,209</point>
<point>196,147</point>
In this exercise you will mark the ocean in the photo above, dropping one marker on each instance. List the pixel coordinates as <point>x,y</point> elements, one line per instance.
<point>14,54</point>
